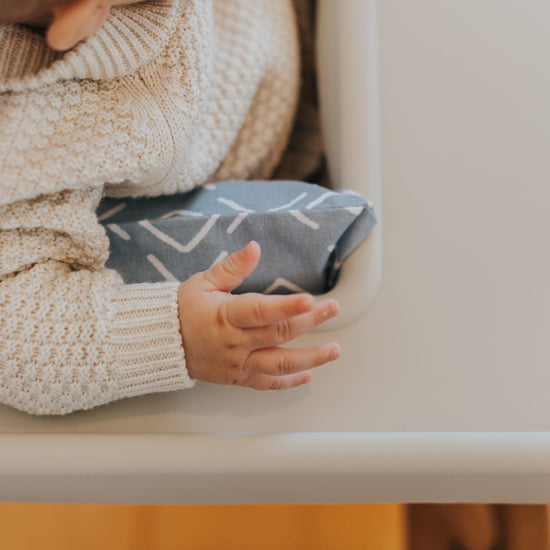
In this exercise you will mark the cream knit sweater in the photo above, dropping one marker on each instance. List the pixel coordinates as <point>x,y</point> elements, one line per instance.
<point>168,95</point>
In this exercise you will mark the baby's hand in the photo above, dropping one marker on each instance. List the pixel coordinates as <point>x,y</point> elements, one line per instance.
<point>234,339</point>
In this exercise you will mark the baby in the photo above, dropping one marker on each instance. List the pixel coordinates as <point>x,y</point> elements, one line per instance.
<point>119,98</point>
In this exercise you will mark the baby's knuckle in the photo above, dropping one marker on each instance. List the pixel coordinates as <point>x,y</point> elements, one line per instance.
<point>229,266</point>
<point>285,365</point>
<point>233,378</point>
<point>275,385</point>
<point>284,331</point>
<point>236,371</point>
<point>234,363</point>
<point>258,312</point>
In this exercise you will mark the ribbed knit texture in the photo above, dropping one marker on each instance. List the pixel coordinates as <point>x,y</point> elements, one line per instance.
<point>166,96</point>
<point>146,341</point>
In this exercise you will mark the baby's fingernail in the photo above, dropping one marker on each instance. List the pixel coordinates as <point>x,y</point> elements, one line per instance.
<point>331,310</point>
<point>334,353</point>
<point>251,246</point>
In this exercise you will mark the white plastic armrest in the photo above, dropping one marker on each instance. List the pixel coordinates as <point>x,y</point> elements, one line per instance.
<point>349,90</point>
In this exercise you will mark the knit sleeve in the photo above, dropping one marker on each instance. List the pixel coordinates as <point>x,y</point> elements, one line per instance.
<point>72,335</point>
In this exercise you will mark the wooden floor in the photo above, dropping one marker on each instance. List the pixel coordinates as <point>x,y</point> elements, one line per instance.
<point>342,527</point>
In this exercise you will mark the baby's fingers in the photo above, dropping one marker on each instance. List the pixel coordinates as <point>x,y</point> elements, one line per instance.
<point>264,382</point>
<point>231,272</point>
<point>256,310</point>
<point>283,331</point>
<point>284,361</point>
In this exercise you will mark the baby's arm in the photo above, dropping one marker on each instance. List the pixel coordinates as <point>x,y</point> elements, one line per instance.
<point>235,339</point>
<point>73,336</point>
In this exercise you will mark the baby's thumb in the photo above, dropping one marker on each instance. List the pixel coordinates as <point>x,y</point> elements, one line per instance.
<point>231,272</point>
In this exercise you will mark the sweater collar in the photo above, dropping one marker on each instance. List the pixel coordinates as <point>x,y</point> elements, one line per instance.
<point>132,36</point>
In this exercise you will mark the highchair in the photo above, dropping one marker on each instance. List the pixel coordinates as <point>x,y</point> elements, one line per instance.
<point>441,393</point>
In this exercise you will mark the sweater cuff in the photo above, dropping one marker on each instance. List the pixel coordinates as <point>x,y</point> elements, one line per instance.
<point>146,341</point>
